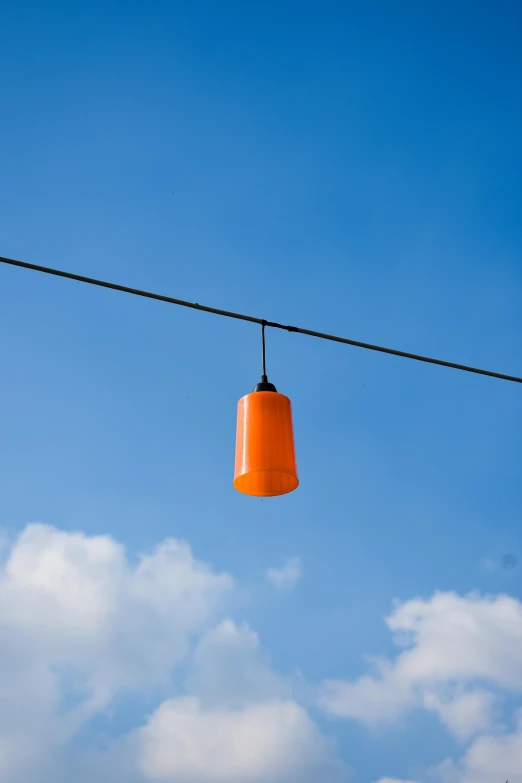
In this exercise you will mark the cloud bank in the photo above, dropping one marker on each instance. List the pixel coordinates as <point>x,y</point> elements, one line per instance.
<point>84,633</point>
<point>81,629</point>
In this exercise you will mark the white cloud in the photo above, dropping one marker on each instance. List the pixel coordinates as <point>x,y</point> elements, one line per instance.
<point>394,780</point>
<point>230,668</point>
<point>371,698</point>
<point>80,626</point>
<point>288,576</point>
<point>74,600</point>
<point>465,713</point>
<point>490,757</point>
<point>261,743</point>
<point>458,651</point>
<point>239,723</point>
<point>456,637</point>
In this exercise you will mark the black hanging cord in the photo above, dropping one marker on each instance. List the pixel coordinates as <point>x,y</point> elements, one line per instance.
<point>228,314</point>
<point>264,379</point>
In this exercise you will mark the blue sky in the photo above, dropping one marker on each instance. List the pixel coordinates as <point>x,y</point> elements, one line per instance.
<point>351,168</point>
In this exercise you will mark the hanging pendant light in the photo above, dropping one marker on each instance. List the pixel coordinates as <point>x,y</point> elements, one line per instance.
<point>265,453</point>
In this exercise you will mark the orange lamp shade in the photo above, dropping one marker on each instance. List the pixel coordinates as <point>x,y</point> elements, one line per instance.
<point>265,453</point>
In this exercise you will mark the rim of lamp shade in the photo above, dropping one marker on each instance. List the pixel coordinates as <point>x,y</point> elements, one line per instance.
<point>251,484</point>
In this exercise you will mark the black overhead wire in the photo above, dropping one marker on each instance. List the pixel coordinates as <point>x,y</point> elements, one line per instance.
<point>228,314</point>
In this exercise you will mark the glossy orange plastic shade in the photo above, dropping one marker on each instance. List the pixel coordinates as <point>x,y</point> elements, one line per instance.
<point>265,453</point>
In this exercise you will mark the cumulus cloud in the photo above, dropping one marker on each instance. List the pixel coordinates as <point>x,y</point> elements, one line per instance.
<point>230,668</point>
<point>80,627</point>
<point>262,743</point>
<point>394,780</point>
<point>74,600</point>
<point>465,712</point>
<point>490,757</point>
<point>239,724</point>
<point>288,576</point>
<point>457,651</point>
